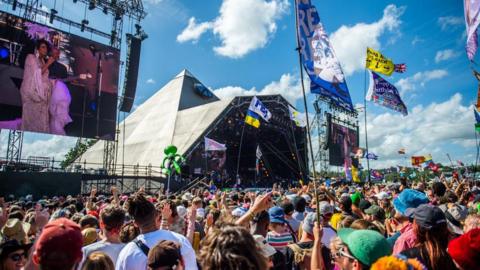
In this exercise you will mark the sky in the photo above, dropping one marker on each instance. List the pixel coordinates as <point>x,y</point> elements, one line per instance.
<point>246,47</point>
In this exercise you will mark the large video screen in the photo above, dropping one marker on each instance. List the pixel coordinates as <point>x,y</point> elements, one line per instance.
<point>55,82</point>
<point>343,141</point>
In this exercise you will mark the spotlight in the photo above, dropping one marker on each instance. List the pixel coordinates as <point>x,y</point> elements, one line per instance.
<point>84,24</point>
<point>118,14</point>
<point>4,52</point>
<point>53,12</point>
<point>113,37</point>
<point>92,4</point>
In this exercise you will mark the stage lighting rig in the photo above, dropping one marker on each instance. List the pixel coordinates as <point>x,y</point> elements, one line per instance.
<point>84,24</point>
<point>14,5</point>
<point>140,33</point>
<point>92,4</point>
<point>53,12</point>
<point>105,10</point>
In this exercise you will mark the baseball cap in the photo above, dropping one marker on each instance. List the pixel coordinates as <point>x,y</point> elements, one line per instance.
<point>309,222</point>
<point>365,245</point>
<point>375,211</point>
<point>325,208</point>
<point>164,254</point>
<point>59,244</point>
<point>364,204</point>
<point>267,250</point>
<point>429,216</point>
<point>356,198</point>
<point>409,198</point>
<point>277,215</point>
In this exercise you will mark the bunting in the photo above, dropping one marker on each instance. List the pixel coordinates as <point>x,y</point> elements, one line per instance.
<point>319,59</point>
<point>385,94</point>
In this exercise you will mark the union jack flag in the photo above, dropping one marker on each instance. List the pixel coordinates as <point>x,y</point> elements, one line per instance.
<point>400,68</point>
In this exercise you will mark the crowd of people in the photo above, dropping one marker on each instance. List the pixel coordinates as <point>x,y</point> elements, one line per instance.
<point>403,225</point>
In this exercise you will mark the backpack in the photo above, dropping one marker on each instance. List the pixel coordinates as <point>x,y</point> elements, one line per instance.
<point>302,257</point>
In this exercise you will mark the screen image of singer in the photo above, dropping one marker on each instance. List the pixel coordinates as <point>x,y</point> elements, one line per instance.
<point>343,141</point>
<point>75,96</point>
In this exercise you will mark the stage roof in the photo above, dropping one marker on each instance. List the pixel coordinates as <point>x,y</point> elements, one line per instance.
<point>177,114</point>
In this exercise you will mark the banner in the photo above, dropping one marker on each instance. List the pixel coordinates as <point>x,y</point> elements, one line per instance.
<point>371,156</point>
<point>319,59</point>
<point>257,107</point>
<point>212,145</point>
<point>472,19</point>
<point>299,118</point>
<point>379,63</point>
<point>252,119</point>
<point>385,94</point>
<point>417,160</point>
<point>343,142</point>
<point>258,155</point>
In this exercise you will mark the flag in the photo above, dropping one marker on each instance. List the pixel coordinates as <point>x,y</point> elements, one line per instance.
<point>257,107</point>
<point>376,175</point>
<point>252,119</point>
<point>477,119</point>
<point>212,145</point>
<point>379,63</point>
<point>472,19</point>
<point>400,68</point>
<point>355,176</point>
<point>319,59</point>
<point>401,151</point>
<point>385,94</point>
<point>372,156</point>
<point>460,163</point>
<point>299,118</point>
<point>417,160</point>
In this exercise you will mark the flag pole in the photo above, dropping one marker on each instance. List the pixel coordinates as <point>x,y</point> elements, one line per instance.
<point>299,50</point>
<point>366,132</point>
<point>239,152</point>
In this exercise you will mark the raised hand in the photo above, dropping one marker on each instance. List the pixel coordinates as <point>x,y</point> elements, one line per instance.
<point>166,211</point>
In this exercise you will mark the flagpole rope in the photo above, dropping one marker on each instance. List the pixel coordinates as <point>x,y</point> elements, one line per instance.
<point>299,50</point>
<point>366,132</point>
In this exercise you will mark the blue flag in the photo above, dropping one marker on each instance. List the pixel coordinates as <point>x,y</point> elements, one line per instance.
<point>371,156</point>
<point>385,94</point>
<point>319,59</point>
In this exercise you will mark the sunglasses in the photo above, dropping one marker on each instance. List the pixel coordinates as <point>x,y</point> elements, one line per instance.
<point>340,254</point>
<point>17,256</point>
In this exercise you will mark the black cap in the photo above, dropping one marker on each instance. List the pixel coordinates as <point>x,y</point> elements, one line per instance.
<point>429,216</point>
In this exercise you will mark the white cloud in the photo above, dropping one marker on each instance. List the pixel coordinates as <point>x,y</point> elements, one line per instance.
<point>449,22</point>
<point>416,40</point>
<point>194,31</point>
<point>410,83</point>
<point>242,26</point>
<point>426,130</point>
<point>150,81</point>
<point>445,55</point>
<point>350,42</point>
<point>288,86</point>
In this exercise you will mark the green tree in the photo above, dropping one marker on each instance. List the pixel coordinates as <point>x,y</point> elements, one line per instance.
<point>76,151</point>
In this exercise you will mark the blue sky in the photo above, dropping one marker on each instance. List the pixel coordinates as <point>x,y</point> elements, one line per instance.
<point>247,46</point>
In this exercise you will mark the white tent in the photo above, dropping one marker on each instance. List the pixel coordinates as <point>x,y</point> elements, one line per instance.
<point>177,114</point>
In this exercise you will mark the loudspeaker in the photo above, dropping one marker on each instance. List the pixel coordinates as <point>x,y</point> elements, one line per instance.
<point>130,85</point>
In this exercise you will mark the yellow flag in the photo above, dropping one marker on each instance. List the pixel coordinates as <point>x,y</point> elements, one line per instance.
<point>355,177</point>
<point>379,63</point>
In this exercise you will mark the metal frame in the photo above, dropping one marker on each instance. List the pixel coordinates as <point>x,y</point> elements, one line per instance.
<point>14,147</point>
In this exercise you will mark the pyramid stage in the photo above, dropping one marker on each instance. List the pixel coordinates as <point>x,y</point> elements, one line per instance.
<point>183,113</point>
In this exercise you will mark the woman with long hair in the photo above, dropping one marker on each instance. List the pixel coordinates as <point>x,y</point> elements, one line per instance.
<point>430,227</point>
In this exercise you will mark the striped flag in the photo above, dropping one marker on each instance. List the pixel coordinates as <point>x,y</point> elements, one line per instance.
<point>400,68</point>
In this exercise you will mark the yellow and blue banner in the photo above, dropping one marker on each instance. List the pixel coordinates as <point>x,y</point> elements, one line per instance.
<point>252,119</point>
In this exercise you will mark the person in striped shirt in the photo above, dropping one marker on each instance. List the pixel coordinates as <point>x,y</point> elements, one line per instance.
<point>279,235</point>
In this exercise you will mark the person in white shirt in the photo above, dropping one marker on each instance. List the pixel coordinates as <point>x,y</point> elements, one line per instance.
<point>111,220</point>
<point>134,255</point>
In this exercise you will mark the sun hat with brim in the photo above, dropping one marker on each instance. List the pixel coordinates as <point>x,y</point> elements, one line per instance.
<point>10,246</point>
<point>15,229</point>
<point>465,250</point>
<point>409,198</point>
<point>365,245</point>
<point>429,216</point>
<point>267,250</point>
<point>277,215</point>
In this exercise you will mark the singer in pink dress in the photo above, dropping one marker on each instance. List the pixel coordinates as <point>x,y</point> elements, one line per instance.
<point>36,90</point>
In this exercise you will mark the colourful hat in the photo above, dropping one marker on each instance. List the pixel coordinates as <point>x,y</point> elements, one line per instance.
<point>465,250</point>
<point>365,245</point>
<point>409,198</point>
<point>356,198</point>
